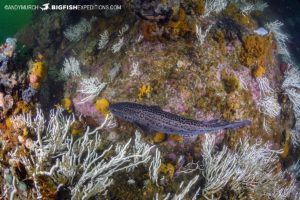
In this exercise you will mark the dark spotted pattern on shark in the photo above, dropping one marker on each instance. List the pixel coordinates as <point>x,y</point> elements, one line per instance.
<point>153,118</point>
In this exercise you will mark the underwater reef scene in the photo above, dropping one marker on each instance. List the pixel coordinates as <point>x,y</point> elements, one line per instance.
<point>66,133</point>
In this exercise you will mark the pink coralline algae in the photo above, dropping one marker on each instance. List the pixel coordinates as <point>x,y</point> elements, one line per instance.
<point>87,109</point>
<point>177,102</point>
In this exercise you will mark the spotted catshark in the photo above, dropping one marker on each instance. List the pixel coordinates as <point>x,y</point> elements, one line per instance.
<point>153,118</point>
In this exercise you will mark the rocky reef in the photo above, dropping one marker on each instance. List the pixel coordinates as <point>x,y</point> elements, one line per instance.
<point>201,59</point>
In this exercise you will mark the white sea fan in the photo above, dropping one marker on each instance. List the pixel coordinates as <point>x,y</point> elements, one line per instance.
<point>247,8</point>
<point>76,32</point>
<point>260,5</point>
<point>219,167</point>
<point>76,162</point>
<point>154,167</point>
<point>291,86</point>
<point>104,38</point>
<point>114,71</point>
<point>91,87</point>
<point>201,35</point>
<point>135,69</point>
<point>214,6</point>
<point>123,30</point>
<point>264,86</point>
<point>269,106</point>
<point>280,37</point>
<point>117,46</point>
<point>71,67</point>
<point>250,167</point>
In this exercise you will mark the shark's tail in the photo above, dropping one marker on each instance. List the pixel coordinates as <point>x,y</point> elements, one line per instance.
<point>237,124</point>
<point>217,125</point>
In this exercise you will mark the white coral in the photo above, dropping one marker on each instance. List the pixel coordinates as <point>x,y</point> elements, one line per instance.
<point>291,86</point>
<point>280,37</point>
<point>250,167</point>
<point>123,30</point>
<point>201,35</point>
<point>264,86</point>
<point>154,167</point>
<point>219,167</point>
<point>247,8</point>
<point>117,46</point>
<point>76,161</point>
<point>71,67</point>
<point>76,32</point>
<point>214,6</point>
<point>135,69</point>
<point>186,189</point>
<point>269,106</point>
<point>295,134</point>
<point>91,87</point>
<point>104,38</point>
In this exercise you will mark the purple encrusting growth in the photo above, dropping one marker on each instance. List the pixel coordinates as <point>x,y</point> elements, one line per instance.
<point>153,118</point>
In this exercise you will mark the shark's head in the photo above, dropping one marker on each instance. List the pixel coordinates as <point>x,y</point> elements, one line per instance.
<point>124,110</point>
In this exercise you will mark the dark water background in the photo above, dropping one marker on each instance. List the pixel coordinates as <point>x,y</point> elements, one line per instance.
<point>288,12</point>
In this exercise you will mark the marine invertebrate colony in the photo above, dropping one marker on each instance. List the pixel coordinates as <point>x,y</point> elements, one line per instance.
<point>214,6</point>
<point>251,167</point>
<point>71,67</point>
<point>91,87</point>
<point>104,38</point>
<point>202,35</point>
<point>77,163</point>
<point>76,32</point>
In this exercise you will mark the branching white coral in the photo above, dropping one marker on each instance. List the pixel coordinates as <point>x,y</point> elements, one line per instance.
<point>254,160</point>
<point>91,87</point>
<point>71,67</point>
<point>114,71</point>
<point>260,5</point>
<point>76,32</point>
<point>280,37</point>
<point>123,30</point>
<point>264,86</point>
<point>269,106</point>
<point>104,38</point>
<point>189,168</point>
<point>200,34</point>
<point>77,161</point>
<point>117,46</point>
<point>139,38</point>
<point>140,148</point>
<point>291,78</point>
<point>247,8</point>
<point>214,6</point>
<point>154,167</point>
<point>135,69</point>
<point>291,86</point>
<point>219,167</point>
<point>185,190</point>
<point>250,167</point>
<point>295,134</point>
